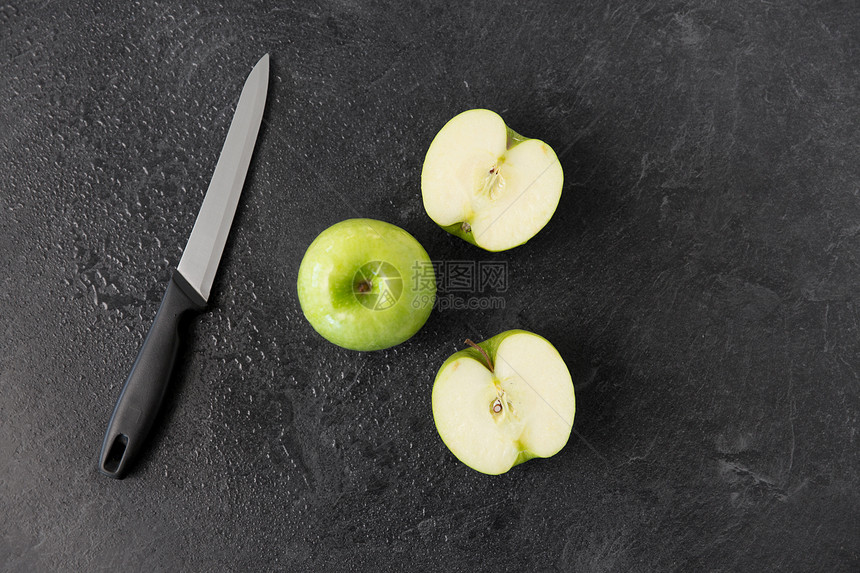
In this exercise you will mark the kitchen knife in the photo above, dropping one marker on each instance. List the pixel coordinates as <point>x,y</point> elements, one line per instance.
<point>189,287</point>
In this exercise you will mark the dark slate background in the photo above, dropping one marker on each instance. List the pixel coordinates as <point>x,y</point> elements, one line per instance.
<point>700,277</point>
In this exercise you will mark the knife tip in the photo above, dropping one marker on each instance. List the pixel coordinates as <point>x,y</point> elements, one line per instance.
<point>260,71</point>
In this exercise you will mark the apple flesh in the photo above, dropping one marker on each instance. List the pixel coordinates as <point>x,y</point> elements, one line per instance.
<point>357,286</point>
<point>484,183</point>
<point>505,401</point>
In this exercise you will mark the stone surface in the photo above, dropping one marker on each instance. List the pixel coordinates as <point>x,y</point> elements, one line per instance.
<point>700,278</point>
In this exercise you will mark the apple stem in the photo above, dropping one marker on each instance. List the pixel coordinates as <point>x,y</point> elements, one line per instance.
<point>483,353</point>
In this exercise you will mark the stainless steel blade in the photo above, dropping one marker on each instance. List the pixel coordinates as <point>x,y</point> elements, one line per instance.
<point>206,244</point>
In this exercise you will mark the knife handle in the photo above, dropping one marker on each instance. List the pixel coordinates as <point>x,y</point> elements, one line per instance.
<point>143,392</point>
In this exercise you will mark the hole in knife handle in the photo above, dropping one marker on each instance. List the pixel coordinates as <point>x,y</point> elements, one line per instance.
<point>117,450</point>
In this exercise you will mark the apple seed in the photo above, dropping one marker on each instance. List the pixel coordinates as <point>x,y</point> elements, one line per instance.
<point>494,182</point>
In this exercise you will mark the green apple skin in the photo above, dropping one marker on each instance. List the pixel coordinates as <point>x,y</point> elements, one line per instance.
<point>491,347</point>
<point>353,315</point>
<point>462,229</point>
<point>459,230</point>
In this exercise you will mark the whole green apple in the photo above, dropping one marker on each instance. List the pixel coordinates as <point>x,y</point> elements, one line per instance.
<point>504,401</point>
<point>366,285</point>
<point>487,184</point>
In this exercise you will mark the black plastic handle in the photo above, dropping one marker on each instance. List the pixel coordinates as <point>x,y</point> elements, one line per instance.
<point>143,392</point>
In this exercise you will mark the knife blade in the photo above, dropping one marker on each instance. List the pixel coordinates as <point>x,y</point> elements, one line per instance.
<point>190,285</point>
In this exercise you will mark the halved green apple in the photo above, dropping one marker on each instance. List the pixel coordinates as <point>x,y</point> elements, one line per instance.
<point>487,184</point>
<point>504,401</point>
